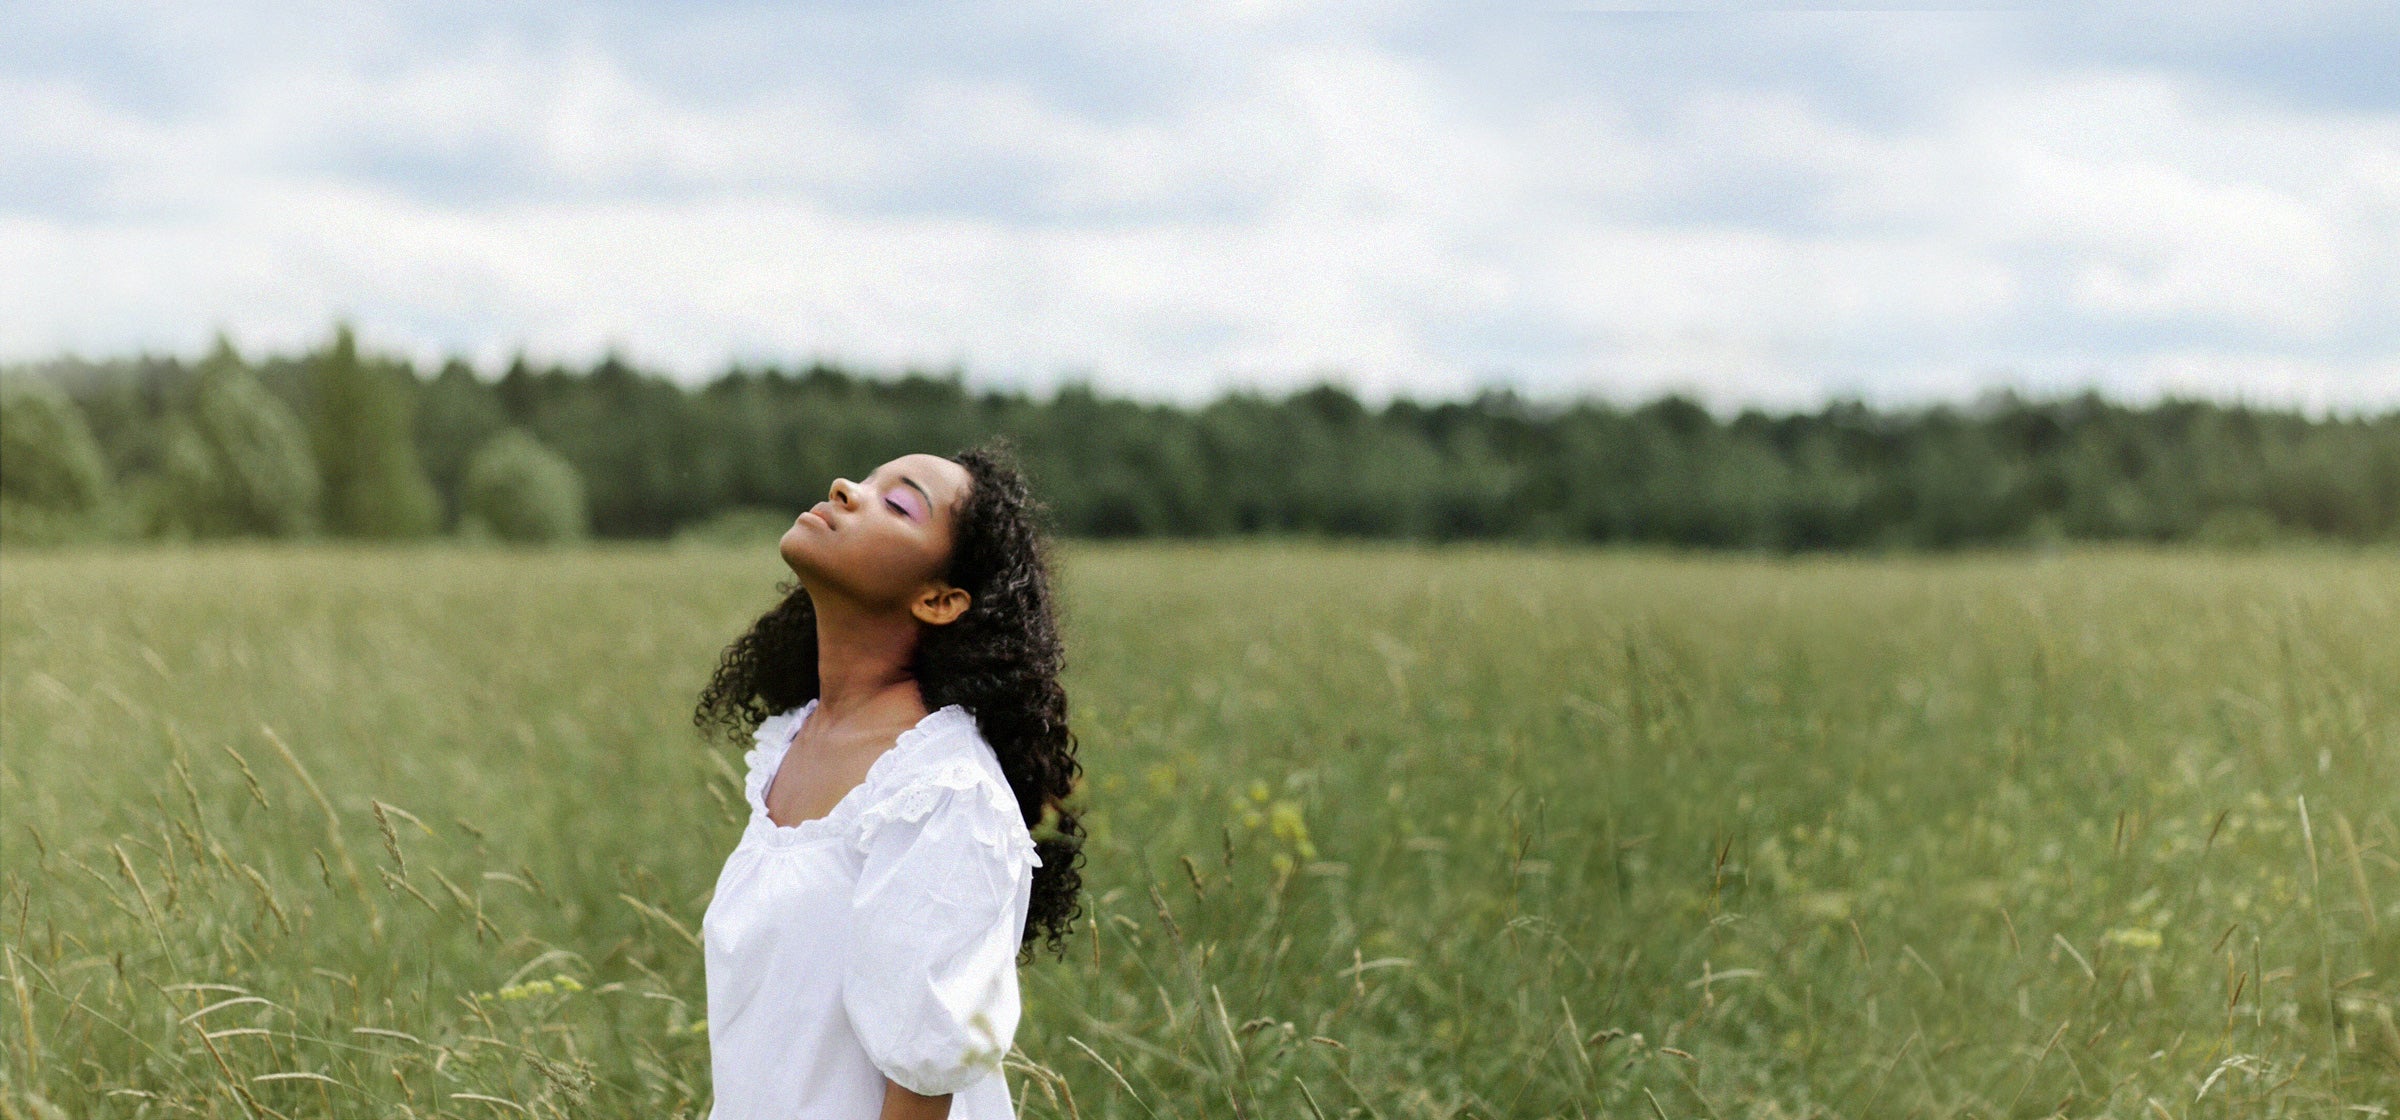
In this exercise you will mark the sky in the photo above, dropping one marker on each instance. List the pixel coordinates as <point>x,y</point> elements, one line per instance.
<point>1766,206</point>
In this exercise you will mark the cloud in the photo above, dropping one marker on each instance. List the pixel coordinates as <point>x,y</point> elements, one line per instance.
<point>1768,208</point>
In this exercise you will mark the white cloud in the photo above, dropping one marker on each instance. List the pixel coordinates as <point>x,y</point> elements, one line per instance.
<point>1308,200</point>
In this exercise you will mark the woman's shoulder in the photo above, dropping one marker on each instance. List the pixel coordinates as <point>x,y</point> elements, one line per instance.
<point>945,760</point>
<point>946,749</point>
<point>771,738</point>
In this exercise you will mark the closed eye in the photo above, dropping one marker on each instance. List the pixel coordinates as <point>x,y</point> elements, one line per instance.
<point>897,507</point>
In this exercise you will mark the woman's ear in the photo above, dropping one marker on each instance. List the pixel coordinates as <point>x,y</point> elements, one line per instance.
<point>941,604</point>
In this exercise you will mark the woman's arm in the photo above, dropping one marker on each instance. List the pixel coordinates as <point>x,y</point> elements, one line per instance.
<point>900,1104</point>
<point>930,981</point>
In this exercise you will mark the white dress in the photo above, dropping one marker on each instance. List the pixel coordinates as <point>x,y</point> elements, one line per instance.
<point>878,940</point>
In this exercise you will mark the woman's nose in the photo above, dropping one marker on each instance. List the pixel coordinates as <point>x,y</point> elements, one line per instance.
<point>845,493</point>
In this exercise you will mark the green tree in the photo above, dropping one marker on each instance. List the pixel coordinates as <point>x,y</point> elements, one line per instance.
<point>185,496</point>
<point>520,491</point>
<point>263,480</point>
<point>54,485</point>
<point>363,417</point>
<point>456,413</point>
<point>654,456</point>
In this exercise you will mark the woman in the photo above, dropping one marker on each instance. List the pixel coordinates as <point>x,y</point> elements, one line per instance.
<point>862,943</point>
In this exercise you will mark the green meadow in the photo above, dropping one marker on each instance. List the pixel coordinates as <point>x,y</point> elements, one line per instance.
<point>1375,832</point>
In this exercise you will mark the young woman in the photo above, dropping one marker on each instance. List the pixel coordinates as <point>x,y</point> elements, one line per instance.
<point>862,944</point>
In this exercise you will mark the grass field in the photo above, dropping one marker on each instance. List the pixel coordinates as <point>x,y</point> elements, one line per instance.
<point>1375,832</point>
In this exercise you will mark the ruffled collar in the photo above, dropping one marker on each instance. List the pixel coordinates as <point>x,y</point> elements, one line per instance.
<point>774,738</point>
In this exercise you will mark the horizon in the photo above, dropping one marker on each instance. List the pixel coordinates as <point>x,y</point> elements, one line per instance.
<point>1984,401</point>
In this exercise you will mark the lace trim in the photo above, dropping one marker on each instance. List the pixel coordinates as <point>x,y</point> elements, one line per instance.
<point>774,739</point>
<point>916,800</point>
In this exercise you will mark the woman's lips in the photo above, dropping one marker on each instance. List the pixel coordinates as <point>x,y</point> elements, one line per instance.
<point>818,511</point>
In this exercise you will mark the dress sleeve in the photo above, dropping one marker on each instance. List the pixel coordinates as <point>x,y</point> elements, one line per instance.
<point>930,985</point>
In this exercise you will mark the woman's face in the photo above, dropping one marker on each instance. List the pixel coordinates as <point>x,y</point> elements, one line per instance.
<point>883,539</point>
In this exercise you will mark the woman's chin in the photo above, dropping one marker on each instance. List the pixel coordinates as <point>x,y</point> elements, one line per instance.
<point>795,549</point>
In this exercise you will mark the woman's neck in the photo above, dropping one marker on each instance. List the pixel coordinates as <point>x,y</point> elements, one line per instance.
<point>864,660</point>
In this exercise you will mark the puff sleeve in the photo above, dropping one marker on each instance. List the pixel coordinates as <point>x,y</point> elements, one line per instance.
<point>930,984</point>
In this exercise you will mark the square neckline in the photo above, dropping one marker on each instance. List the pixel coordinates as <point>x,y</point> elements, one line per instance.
<point>914,733</point>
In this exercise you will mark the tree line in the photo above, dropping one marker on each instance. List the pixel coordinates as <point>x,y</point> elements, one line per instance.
<point>344,443</point>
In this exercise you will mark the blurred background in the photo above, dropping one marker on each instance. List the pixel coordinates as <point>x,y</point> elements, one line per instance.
<point>1714,275</point>
<point>1926,650</point>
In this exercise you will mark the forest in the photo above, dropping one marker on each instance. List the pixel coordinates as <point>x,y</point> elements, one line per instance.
<point>343,442</point>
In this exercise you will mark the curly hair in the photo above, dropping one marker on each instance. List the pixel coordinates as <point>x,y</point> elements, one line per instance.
<point>1000,661</point>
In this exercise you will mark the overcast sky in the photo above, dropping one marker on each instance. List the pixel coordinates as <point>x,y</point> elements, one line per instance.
<point>1758,206</point>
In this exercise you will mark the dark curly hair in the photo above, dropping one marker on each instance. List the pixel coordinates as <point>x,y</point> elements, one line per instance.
<point>1000,661</point>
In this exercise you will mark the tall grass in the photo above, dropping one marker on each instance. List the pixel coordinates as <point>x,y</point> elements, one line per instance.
<point>1375,832</point>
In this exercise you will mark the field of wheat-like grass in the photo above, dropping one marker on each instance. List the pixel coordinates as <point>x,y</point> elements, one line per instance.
<point>1374,832</point>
